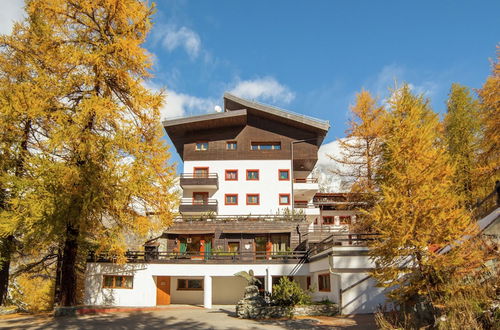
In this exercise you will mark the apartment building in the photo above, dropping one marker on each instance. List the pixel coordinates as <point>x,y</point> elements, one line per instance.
<point>248,202</point>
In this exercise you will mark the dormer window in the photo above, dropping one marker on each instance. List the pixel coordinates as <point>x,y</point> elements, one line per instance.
<point>201,146</point>
<point>266,146</point>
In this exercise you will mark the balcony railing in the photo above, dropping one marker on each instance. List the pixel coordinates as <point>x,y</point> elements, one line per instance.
<point>210,180</point>
<point>190,205</point>
<point>203,257</point>
<point>349,239</point>
<point>304,205</point>
<point>239,217</point>
<point>310,180</point>
<point>199,176</point>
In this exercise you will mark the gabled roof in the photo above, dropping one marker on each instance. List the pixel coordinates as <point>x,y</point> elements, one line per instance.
<point>236,112</point>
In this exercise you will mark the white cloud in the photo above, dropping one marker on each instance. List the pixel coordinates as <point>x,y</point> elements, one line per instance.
<point>179,104</point>
<point>184,37</point>
<point>263,89</point>
<point>12,10</point>
<point>393,76</point>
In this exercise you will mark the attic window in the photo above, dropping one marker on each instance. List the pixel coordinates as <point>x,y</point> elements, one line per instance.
<point>266,146</point>
<point>201,146</point>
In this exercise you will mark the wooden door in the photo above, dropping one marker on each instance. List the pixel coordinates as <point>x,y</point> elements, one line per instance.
<point>200,198</point>
<point>163,290</point>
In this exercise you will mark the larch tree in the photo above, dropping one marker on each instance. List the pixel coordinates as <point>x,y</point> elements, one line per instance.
<point>489,155</point>
<point>101,169</point>
<point>462,132</point>
<point>360,150</point>
<point>419,210</point>
<point>22,97</point>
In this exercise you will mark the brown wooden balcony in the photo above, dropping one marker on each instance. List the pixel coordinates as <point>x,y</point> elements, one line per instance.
<point>205,257</point>
<point>190,206</point>
<point>199,181</point>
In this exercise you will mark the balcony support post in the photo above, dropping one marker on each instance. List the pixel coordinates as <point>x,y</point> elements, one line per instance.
<point>207,291</point>
<point>268,282</point>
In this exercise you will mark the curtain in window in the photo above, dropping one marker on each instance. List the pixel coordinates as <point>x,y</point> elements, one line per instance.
<point>208,249</point>
<point>183,248</point>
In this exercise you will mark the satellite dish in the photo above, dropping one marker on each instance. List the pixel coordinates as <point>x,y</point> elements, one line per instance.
<point>217,108</point>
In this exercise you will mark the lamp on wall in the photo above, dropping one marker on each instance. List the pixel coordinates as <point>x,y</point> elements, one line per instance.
<point>248,246</point>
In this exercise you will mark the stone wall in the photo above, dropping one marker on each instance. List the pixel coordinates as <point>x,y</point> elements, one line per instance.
<point>268,312</point>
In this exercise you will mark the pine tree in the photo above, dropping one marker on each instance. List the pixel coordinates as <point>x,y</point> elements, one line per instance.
<point>361,148</point>
<point>419,210</point>
<point>101,167</point>
<point>462,131</point>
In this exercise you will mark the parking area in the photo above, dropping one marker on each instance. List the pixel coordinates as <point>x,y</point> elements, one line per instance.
<point>187,317</point>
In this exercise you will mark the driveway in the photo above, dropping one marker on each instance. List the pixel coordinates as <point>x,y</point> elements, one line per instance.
<point>220,317</point>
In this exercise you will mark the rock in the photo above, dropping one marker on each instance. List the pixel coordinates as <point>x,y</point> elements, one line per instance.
<point>251,305</point>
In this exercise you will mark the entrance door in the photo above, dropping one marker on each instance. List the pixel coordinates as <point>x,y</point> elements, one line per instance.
<point>163,290</point>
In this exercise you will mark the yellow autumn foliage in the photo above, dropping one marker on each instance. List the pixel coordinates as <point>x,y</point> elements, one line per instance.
<point>34,294</point>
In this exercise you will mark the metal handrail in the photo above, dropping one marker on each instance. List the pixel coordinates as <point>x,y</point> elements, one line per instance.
<point>191,201</point>
<point>301,205</point>
<point>309,180</point>
<point>199,175</point>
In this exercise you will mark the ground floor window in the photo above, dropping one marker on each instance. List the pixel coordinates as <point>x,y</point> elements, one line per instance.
<point>118,282</point>
<point>189,284</point>
<point>324,282</point>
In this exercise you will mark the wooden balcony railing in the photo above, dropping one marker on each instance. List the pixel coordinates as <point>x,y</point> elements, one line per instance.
<point>202,257</point>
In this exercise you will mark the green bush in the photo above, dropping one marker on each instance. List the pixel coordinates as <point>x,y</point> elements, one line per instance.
<point>288,293</point>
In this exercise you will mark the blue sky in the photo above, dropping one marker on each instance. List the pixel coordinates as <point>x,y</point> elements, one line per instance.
<point>311,57</point>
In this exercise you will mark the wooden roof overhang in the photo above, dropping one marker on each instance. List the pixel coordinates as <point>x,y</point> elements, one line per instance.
<point>181,126</point>
<point>318,127</point>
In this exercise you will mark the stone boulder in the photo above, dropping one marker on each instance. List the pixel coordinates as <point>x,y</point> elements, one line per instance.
<point>251,305</point>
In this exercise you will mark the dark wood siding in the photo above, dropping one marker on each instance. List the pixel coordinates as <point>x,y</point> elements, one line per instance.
<point>225,232</point>
<point>257,130</point>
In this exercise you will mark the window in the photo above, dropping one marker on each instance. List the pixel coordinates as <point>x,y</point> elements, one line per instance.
<point>308,282</point>
<point>252,199</point>
<point>201,146</point>
<point>231,145</point>
<point>284,175</point>
<point>266,146</point>
<point>252,174</point>
<point>200,172</point>
<point>231,175</point>
<point>118,282</point>
<point>187,284</point>
<point>231,199</point>
<point>324,282</point>
<point>284,199</point>
<point>328,220</point>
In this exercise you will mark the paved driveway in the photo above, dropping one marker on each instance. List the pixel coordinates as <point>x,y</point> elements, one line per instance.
<point>220,317</point>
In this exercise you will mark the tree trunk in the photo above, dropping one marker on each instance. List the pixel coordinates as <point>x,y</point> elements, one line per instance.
<point>68,267</point>
<point>7,246</point>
